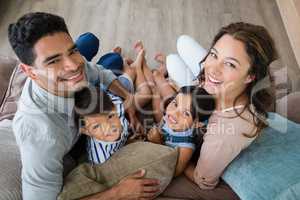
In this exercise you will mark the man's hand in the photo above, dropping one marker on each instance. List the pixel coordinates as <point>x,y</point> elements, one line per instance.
<point>135,187</point>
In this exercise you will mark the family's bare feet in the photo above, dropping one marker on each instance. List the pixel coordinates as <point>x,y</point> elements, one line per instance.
<point>127,69</point>
<point>132,66</point>
<point>138,46</point>
<point>161,59</point>
<point>157,74</point>
<point>129,61</point>
<point>139,59</point>
<point>139,49</point>
<point>117,49</point>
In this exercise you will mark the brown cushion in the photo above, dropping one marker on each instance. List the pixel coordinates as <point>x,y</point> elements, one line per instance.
<point>288,106</point>
<point>12,95</point>
<point>7,66</point>
<point>182,188</point>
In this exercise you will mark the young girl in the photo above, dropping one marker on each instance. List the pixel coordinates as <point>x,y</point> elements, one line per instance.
<point>183,113</point>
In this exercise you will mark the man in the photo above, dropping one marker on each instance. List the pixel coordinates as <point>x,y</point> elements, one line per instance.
<point>44,123</point>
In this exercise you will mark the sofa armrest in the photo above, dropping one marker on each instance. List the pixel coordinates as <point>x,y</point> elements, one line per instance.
<point>288,106</point>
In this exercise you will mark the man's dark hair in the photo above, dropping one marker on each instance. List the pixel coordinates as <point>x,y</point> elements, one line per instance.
<point>203,104</point>
<point>92,100</point>
<point>31,27</point>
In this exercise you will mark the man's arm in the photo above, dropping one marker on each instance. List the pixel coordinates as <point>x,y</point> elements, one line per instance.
<point>109,81</point>
<point>97,73</point>
<point>131,187</point>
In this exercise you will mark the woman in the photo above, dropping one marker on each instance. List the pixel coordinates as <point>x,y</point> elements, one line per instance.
<point>235,71</point>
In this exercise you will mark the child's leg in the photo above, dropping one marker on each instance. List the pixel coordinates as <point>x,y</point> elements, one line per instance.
<point>128,77</point>
<point>159,92</point>
<point>143,92</point>
<point>157,105</point>
<point>157,101</point>
<point>163,86</point>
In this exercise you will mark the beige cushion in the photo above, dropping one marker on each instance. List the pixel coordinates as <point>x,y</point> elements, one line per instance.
<point>12,95</point>
<point>159,162</point>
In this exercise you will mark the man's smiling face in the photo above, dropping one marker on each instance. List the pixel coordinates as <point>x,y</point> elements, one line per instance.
<point>58,66</point>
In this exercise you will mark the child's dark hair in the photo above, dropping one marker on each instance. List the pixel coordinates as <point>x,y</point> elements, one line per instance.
<point>89,101</point>
<point>31,27</point>
<point>203,104</point>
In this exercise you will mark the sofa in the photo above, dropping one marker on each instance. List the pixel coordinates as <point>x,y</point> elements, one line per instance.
<point>12,80</point>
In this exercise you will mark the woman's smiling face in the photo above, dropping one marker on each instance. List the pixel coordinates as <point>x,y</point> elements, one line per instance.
<point>226,68</point>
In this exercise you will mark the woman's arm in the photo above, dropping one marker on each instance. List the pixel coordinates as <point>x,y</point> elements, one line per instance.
<point>223,141</point>
<point>184,157</point>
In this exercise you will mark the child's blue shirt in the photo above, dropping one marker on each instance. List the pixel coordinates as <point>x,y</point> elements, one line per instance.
<point>178,138</point>
<point>100,151</point>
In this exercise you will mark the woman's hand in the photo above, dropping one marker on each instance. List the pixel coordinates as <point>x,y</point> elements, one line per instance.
<point>135,187</point>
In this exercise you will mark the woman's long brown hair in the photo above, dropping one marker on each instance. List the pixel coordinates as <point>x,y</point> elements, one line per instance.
<point>261,50</point>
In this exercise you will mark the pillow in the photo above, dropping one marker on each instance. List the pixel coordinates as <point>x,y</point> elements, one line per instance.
<point>13,93</point>
<point>269,168</point>
<point>7,66</point>
<point>159,161</point>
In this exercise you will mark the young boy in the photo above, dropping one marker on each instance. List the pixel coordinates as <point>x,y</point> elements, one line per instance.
<point>102,118</point>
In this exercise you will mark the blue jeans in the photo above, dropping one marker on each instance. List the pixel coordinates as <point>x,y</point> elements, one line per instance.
<point>88,46</point>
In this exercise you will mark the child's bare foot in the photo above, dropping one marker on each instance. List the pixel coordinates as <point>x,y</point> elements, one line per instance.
<point>127,69</point>
<point>161,59</point>
<point>117,49</point>
<point>138,46</point>
<point>157,74</point>
<point>129,61</point>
